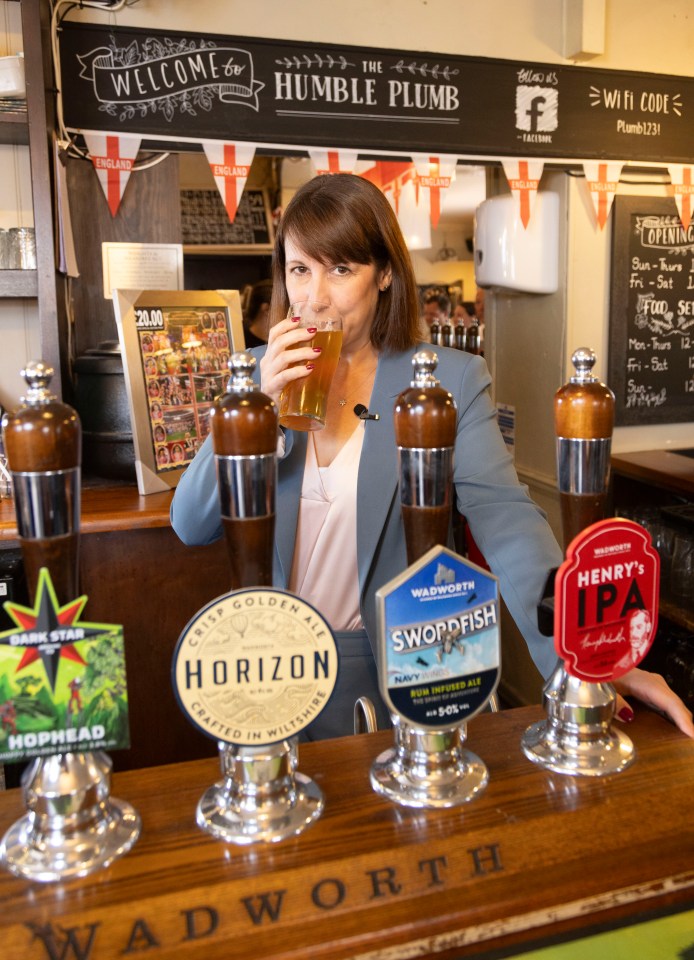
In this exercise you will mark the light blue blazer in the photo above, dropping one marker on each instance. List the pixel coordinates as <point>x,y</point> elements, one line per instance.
<point>510,530</point>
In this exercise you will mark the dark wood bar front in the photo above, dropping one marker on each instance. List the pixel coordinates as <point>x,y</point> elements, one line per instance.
<point>136,572</point>
<point>535,857</point>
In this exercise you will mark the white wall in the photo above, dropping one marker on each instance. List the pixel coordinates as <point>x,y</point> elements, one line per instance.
<point>19,333</point>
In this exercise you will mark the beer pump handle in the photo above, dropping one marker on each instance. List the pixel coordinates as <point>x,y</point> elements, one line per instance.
<point>243,422</point>
<point>584,420</point>
<point>43,447</point>
<point>425,428</point>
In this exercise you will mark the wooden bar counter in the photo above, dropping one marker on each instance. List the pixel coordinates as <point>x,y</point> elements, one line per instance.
<point>535,858</point>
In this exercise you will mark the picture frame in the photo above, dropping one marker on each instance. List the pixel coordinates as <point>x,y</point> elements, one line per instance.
<point>175,346</point>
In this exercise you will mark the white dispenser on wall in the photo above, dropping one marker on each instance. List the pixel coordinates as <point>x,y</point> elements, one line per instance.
<point>509,256</point>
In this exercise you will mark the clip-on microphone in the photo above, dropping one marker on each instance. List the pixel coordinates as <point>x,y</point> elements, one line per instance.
<point>363,413</point>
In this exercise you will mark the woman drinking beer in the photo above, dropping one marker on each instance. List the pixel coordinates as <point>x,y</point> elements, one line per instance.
<point>339,533</point>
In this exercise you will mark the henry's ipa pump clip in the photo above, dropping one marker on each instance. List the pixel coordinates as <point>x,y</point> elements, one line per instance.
<point>610,573</point>
<point>438,640</point>
<point>72,826</point>
<point>255,666</point>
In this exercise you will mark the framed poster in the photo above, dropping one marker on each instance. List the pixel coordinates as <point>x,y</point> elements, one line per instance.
<point>129,265</point>
<point>175,346</point>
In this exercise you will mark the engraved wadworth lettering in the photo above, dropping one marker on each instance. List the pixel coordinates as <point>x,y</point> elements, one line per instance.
<point>149,934</point>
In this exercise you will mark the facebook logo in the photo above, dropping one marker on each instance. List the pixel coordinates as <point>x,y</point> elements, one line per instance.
<point>536,108</point>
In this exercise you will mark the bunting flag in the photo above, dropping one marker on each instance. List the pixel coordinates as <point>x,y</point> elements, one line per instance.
<point>333,161</point>
<point>230,164</point>
<point>602,178</point>
<point>437,174</point>
<point>683,188</point>
<point>524,178</point>
<point>113,156</point>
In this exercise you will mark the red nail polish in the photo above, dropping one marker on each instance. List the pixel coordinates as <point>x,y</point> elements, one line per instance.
<point>317,349</point>
<point>309,366</point>
<point>626,714</point>
<point>312,329</point>
<point>296,319</point>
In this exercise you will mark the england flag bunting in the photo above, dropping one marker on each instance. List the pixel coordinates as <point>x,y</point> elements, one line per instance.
<point>113,156</point>
<point>683,189</point>
<point>333,161</point>
<point>230,163</point>
<point>524,178</point>
<point>436,174</point>
<point>602,179</point>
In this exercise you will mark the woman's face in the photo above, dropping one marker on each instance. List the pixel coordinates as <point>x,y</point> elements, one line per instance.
<point>351,288</point>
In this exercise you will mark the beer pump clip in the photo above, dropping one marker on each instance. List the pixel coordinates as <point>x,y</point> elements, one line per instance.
<point>438,643</point>
<point>609,578</point>
<point>72,826</point>
<point>255,666</point>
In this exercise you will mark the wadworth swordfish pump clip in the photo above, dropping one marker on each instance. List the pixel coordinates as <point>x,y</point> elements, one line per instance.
<point>256,665</point>
<point>438,643</point>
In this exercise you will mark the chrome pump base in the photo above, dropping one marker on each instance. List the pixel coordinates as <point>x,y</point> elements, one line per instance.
<point>73,827</point>
<point>428,768</point>
<point>576,738</point>
<point>262,797</point>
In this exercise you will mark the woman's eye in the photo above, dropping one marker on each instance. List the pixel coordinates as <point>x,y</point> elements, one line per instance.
<point>298,269</point>
<point>341,269</point>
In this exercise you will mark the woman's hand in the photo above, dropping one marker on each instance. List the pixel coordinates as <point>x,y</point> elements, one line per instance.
<point>284,361</point>
<point>652,689</point>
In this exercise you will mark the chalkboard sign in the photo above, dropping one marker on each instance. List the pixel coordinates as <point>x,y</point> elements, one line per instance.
<point>651,351</point>
<point>204,219</point>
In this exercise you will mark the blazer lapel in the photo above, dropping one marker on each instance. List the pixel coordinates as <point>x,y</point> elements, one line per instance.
<point>290,479</point>
<point>378,471</point>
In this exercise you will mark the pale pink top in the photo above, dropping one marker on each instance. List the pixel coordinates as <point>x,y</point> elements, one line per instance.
<point>324,568</point>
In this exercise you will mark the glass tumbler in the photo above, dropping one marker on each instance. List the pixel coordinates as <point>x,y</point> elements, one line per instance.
<point>22,253</point>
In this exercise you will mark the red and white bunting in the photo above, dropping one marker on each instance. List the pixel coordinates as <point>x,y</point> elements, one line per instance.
<point>524,178</point>
<point>682,178</point>
<point>230,164</point>
<point>602,179</point>
<point>113,156</point>
<point>437,174</point>
<point>333,161</point>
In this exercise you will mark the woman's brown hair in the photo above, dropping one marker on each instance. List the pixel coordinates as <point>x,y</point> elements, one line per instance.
<point>342,218</point>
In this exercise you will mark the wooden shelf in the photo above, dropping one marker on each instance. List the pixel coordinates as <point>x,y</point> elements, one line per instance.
<point>226,250</point>
<point>14,127</point>
<point>18,283</point>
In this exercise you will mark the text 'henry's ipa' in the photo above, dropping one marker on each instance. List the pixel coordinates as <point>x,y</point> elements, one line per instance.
<point>303,402</point>
<point>577,737</point>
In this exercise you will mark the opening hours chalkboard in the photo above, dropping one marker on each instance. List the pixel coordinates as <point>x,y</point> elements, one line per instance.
<point>651,344</point>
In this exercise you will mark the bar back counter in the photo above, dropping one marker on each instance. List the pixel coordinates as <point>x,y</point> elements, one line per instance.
<point>136,572</point>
